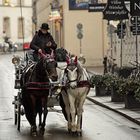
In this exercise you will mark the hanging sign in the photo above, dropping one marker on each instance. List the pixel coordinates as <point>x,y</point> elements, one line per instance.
<point>135,7</point>
<point>115,10</point>
<point>99,7</point>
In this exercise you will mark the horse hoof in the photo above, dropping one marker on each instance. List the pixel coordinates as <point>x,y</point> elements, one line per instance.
<point>74,133</point>
<point>34,134</point>
<point>69,131</point>
<point>41,131</point>
<point>33,131</point>
<point>79,134</point>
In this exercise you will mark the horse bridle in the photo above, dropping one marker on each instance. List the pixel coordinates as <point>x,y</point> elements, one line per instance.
<point>70,81</point>
<point>47,58</point>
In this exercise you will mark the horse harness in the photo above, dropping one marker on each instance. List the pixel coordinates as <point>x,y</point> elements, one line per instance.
<point>80,83</point>
<point>38,85</point>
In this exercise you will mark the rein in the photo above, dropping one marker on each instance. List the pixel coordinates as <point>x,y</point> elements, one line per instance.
<point>42,54</point>
<point>38,85</point>
<point>70,81</point>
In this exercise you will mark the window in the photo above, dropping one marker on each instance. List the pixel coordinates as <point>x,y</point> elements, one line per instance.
<point>20,28</point>
<point>20,1</point>
<point>6,2</point>
<point>6,26</point>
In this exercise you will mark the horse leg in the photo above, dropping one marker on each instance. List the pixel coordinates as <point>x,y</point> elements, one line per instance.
<point>45,112</point>
<point>34,113</point>
<point>72,112</point>
<point>67,109</point>
<point>29,106</point>
<point>40,118</point>
<point>79,120</point>
<point>79,114</point>
<point>39,110</point>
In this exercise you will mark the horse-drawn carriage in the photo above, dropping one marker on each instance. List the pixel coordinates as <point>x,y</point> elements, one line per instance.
<point>46,84</point>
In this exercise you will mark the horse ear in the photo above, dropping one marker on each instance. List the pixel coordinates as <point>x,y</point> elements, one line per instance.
<point>75,60</point>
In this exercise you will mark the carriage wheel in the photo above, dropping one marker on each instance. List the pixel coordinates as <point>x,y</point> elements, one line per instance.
<point>19,117</point>
<point>15,109</point>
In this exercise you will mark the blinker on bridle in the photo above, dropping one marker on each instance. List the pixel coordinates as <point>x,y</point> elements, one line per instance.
<point>66,70</point>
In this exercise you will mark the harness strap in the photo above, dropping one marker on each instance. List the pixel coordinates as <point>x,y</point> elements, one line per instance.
<point>84,83</point>
<point>38,85</point>
<point>87,75</point>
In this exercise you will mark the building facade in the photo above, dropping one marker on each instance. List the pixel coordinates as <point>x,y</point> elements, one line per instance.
<point>125,51</point>
<point>64,22</point>
<point>16,20</point>
<point>128,53</point>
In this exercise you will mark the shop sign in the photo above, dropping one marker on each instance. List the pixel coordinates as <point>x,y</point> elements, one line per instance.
<point>135,7</point>
<point>99,7</point>
<point>115,10</point>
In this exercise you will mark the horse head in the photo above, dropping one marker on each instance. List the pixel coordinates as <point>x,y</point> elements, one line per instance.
<point>50,65</point>
<point>72,72</point>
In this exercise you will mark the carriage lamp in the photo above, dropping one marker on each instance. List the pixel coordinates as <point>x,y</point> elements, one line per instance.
<point>15,60</point>
<point>58,89</point>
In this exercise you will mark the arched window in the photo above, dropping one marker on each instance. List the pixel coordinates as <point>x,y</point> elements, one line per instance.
<point>6,26</point>
<point>20,28</point>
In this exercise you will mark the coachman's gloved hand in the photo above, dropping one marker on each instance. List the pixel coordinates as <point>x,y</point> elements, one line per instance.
<point>49,44</point>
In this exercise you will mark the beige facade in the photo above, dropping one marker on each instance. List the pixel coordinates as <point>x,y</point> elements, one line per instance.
<point>10,13</point>
<point>94,42</point>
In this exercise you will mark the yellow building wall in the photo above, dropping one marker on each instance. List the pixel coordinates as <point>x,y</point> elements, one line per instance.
<point>94,34</point>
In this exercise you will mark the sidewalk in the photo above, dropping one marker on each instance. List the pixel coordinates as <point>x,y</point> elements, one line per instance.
<point>105,101</point>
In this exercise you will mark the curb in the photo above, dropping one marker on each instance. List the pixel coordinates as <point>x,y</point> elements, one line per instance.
<point>105,106</point>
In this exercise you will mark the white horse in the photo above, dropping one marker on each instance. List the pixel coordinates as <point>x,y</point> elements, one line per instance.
<point>75,79</point>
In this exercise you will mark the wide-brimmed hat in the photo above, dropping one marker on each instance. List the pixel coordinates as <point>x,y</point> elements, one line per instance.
<point>45,26</point>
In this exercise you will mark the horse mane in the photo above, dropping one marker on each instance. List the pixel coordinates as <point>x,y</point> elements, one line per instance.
<point>40,71</point>
<point>82,72</point>
<point>80,68</point>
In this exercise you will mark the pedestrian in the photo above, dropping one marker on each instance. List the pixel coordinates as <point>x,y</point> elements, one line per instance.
<point>42,42</point>
<point>105,64</point>
<point>5,37</point>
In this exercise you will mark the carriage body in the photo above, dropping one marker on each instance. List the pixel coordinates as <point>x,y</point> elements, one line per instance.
<point>18,72</point>
<point>19,65</point>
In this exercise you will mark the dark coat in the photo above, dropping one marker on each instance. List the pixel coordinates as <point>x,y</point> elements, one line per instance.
<point>40,41</point>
